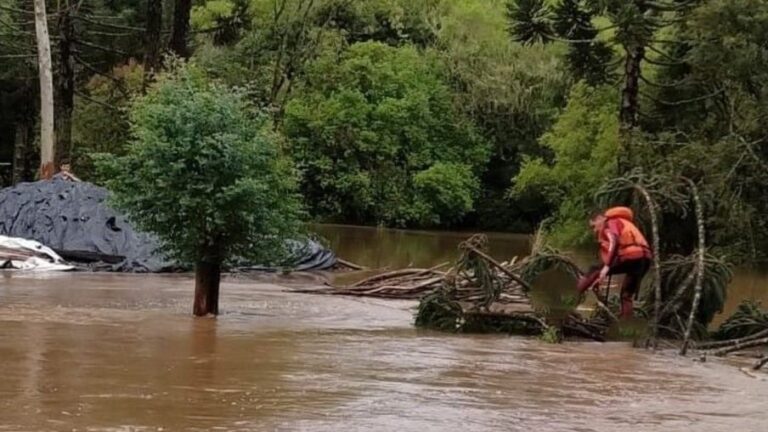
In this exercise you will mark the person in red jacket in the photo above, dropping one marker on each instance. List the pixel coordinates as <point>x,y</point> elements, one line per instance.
<point>623,250</point>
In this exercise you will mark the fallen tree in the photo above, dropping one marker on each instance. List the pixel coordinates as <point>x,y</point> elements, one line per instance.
<point>479,293</point>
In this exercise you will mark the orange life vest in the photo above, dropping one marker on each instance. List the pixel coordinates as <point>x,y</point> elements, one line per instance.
<point>631,242</point>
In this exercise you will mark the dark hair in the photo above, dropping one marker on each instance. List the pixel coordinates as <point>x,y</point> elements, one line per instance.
<point>595,213</point>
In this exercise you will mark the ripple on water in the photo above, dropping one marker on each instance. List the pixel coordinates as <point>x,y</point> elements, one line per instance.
<point>109,352</point>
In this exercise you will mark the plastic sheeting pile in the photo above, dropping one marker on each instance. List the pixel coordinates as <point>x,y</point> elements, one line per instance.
<point>21,254</point>
<point>74,220</point>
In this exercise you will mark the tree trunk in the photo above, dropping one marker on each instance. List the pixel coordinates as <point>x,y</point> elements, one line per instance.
<point>180,30</point>
<point>65,87</point>
<point>46,91</point>
<point>207,281</point>
<point>629,107</point>
<point>22,154</point>
<point>152,39</point>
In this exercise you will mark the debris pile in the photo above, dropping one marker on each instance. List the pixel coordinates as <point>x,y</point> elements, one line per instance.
<point>479,293</point>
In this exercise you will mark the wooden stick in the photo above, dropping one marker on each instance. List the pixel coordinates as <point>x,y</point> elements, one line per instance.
<point>699,266</point>
<point>731,342</point>
<point>388,275</point>
<point>740,346</point>
<point>760,363</point>
<point>405,288</point>
<point>351,265</point>
<point>605,308</point>
<point>495,263</point>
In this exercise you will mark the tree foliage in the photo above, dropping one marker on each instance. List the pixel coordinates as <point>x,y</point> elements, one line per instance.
<point>202,174</point>
<point>583,141</point>
<point>491,114</point>
<point>368,124</point>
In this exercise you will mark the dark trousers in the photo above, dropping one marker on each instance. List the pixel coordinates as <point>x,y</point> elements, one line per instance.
<point>633,271</point>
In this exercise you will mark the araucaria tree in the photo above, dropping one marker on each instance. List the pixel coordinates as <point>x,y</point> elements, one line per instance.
<point>204,174</point>
<point>631,35</point>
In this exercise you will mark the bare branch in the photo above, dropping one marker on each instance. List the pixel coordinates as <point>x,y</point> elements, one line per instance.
<point>664,85</point>
<point>663,63</point>
<point>684,101</point>
<point>665,55</point>
<point>107,25</point>
<point>97,102</point>
<point>86,65</point>
<point>101,48</point>
<point>669,7</point>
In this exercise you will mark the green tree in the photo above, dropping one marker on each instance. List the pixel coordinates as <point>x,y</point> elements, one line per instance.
<point>512,92</point>
<point>584,141</point>
<point>202,175</point>
<point>632,32</point>
<point>717,137</point>
<point>367,124</point>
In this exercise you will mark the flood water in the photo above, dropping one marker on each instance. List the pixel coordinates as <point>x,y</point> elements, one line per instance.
<point>103,352</point>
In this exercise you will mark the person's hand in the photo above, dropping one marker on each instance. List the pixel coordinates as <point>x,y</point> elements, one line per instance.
<point>603,273</point>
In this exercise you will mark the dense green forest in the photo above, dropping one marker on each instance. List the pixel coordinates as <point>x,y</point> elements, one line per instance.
<point>487,114</point>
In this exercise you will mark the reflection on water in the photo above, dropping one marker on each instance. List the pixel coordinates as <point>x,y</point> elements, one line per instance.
<point>119,353</point>
<point>380,248</point>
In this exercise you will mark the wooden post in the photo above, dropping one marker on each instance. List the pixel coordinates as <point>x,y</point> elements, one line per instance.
<point>46,91</point>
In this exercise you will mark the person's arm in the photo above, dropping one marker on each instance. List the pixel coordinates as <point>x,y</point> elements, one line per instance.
<point>612,231</point>
<point>612,249</point>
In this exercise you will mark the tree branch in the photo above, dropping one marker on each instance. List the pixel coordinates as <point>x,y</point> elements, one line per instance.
<point>662,63</point>
<point>665,55</point>
<point>112,26</point>
<point>120,84</point>
<point>100,48</point>
<point>685,101</point>
<point>97,102</point>
<point>699,269</point>
<point>664,85</point>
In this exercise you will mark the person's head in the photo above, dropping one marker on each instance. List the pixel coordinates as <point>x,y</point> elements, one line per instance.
<point>597,222</point>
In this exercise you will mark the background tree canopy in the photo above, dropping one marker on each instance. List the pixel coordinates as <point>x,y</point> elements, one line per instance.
<point>378,139</point>
<point>488,114</point>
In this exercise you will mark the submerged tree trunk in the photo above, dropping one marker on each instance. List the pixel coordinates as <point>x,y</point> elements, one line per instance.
<point>207,281</point>
<point>152,39</point>
<point>46,91</point>
<point>629,107</point>
<point>180,30</point>
<point>65,87</point>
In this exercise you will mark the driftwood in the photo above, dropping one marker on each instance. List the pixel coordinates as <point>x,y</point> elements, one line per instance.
<point>732,342</point>
<point>741,345</point>
<point>350,265</point>
<point>760,363</point>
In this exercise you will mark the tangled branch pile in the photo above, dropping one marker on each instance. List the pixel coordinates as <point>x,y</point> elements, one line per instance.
<point>746,329</point>
<point>480,294</point>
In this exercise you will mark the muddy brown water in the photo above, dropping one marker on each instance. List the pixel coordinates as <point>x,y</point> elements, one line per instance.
<point>102,352</point>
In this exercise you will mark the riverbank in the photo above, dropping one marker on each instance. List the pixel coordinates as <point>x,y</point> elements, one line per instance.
<point>121,352</point>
